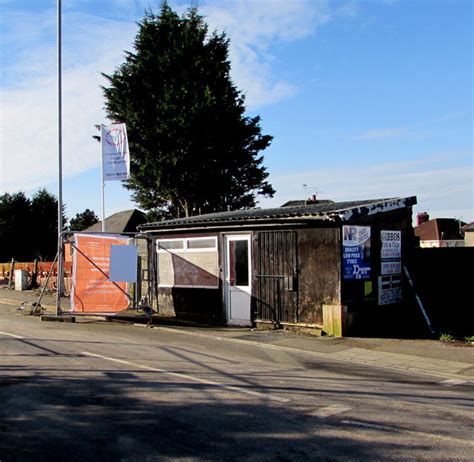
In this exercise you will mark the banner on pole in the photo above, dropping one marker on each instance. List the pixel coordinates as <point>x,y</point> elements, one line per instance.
<point>115,153</point>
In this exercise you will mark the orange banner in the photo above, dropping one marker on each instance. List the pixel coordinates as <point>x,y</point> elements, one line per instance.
<point>92,292</point>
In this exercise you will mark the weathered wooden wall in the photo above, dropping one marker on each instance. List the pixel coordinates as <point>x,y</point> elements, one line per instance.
<point>194,304</point>
<point>319,271</point>
<point>275,271</point>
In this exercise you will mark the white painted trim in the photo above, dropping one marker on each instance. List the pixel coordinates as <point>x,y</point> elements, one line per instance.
<point>248,289</point>
<point>185,248</point>
<point>169,286</point>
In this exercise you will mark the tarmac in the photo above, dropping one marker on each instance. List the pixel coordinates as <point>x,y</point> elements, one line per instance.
<point>452,362</point>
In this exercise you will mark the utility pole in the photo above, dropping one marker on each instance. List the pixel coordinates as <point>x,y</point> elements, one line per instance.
<point>99,138</point>
<point>59,279</point>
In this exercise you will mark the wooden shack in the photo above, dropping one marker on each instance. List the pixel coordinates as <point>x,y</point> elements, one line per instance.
<point>313,266</point>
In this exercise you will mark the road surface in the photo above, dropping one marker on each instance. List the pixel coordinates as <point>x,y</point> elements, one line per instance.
<point>106,391</point>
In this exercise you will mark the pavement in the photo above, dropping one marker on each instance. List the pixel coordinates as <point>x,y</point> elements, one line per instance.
<point>451,361</point>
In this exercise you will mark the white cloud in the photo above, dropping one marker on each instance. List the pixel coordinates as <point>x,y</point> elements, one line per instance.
<point>29,106</point>
<point>441,188</point>
<point>93,44</point>
<point>254,27</point>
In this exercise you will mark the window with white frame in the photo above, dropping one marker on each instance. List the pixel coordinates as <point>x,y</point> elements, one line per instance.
<point>188,262</point>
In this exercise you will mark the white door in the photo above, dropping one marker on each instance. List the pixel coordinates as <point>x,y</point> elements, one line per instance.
<point>237,279</point>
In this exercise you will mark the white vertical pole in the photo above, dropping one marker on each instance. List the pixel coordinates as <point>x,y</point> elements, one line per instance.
<point>102,142</point>
<point>60,161</point>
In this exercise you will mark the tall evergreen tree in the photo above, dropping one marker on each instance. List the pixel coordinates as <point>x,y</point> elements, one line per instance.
<point>83,220</point>
<point>28,227</point>
<point>16,228</point>
<point>193,149</point>
<point>44,216</point>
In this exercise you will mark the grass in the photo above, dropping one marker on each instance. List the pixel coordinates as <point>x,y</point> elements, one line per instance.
<point>450,338</point>
<point>447,337</point>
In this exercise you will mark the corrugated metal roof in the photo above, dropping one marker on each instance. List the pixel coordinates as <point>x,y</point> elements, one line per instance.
<point>342,210</point>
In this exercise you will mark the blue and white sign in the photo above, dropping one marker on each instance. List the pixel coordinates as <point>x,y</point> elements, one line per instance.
<point>356,252</point>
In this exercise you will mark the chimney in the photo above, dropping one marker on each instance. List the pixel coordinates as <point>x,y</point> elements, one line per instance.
<point>421,218</point>
<point>313,197</point>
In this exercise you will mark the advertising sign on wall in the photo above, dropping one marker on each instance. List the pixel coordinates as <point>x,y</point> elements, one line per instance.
<point>390,281</point>
<point>92,291</point>
<point>391,267</point>
<point>356,252</point>
<point>390,289</point>
<point>391,244</point>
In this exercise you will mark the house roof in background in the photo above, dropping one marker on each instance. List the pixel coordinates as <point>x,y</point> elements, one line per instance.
<point>344,211</point>
<point>440,229</point>
<point>306,202</point>
<point>469,228</point>
<point>125,221</point>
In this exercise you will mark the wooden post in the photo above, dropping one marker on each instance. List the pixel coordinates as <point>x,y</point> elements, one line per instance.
<point>12,269</point>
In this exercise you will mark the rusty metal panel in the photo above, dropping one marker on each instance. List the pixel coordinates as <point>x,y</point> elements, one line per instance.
<point>275,281</point>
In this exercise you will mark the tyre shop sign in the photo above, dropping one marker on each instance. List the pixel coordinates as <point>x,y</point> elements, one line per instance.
<point>391,245</point>
<point>389,282</point>
<point>356,252</point>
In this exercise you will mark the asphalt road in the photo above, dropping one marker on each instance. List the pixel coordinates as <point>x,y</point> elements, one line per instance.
<point>103,391</point>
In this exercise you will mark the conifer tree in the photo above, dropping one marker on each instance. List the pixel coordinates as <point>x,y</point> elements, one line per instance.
<point>193,150</point>
<point>28,227</point>
<point>83,220</point>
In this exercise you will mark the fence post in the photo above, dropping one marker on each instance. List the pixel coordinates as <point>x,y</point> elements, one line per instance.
<point>12,269</point>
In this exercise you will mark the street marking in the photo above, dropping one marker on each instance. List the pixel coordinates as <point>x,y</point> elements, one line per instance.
<point>452,382</point>
<point>189,377</point>
<point>11,335</point>
<point>329,411</point>
<point>450,439</point>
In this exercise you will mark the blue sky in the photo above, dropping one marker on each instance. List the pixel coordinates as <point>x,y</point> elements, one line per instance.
<point>365,99</point>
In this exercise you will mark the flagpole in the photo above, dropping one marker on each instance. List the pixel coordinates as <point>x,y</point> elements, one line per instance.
<point>59,277</point>
<point>102,142</point>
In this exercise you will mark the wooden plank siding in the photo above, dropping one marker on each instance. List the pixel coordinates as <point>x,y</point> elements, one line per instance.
<point>275,276</point>
<point>295,273</point>
<point>319,269</point>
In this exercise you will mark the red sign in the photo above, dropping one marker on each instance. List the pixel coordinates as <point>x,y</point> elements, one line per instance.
<point>92,292</point>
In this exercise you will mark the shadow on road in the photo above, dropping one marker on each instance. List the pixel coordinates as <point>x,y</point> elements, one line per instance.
<point>120,415</point>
